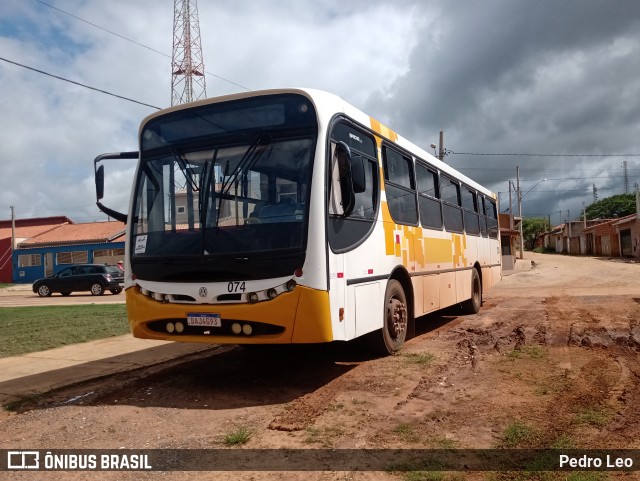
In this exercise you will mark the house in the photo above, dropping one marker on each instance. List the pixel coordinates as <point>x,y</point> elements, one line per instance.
<point>628,230</point>
<point>553,238</point>
<point>603,239</point>
<point>24,229</point>
<point>574,238</point>
<point>509,239</point>
<point>48,252</point>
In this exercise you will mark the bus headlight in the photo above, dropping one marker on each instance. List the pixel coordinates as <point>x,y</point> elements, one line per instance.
<point>170,327</point>
<point>247,329</point>
<point>236,328</point>
<point>253,297</point>
<point>179,328</point>
<point>291,285</point>
<point>272,293</point>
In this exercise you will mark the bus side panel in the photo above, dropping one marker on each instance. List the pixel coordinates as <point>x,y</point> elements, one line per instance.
<point>368,310</point>
<point>337,296</point>
<point>448,296</point>
<point>431,293</point>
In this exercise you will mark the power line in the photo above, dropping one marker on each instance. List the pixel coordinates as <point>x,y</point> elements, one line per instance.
<point>541,155</point>
<point>135,42</point>
<point>78,83</point>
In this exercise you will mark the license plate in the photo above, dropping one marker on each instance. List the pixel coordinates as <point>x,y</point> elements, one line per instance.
<point>203,319</point>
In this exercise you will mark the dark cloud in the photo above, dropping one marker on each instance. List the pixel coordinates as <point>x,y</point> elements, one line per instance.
<point>521,76</point>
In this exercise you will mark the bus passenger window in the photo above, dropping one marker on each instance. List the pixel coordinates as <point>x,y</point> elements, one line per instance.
<point>428,197</point>
<point>400,187</point>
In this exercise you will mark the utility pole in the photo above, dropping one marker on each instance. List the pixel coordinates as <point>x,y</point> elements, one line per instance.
<point>13,230</point>
<point>441,146</point>
<point>595,194</point>
<point>510,208</point>
<point>520,211</point>
<point>626,176</point>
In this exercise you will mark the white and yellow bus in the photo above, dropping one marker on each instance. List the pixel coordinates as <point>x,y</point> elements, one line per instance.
<point>289,216</point>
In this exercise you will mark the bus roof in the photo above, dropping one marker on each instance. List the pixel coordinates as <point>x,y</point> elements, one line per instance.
<point>327,105</point>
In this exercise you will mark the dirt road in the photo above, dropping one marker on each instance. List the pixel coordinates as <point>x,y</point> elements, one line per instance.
<point>552,360</point>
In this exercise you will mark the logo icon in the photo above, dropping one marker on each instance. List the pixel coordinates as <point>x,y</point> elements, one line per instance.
<point>23,460</point>
<point>203,292</point>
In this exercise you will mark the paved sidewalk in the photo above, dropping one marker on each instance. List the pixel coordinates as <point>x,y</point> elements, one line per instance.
<point>39,372</point>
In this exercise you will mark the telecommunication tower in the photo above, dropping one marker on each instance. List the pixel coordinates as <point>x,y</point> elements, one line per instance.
<point>187,62</point>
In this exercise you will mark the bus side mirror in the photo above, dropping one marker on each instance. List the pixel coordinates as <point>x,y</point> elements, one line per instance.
<point>100,183</point>
<point>358,177</point>
<point>343,155</point>
<point>99,179</point>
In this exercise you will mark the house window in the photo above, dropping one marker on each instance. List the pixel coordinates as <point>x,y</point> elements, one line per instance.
<point>29,260</point>
<point>75,257</point>
<point>108,252</point>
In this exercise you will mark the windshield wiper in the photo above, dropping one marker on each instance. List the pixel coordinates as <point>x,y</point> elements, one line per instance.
<point>250,157</point>
<point>206,177</point>
<point>185,169</point>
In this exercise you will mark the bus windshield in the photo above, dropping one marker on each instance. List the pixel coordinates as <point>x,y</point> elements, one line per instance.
<point>238,189</point>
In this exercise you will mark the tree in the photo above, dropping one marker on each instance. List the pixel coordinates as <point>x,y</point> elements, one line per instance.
<point>612,207</point>
<point>532,228</point>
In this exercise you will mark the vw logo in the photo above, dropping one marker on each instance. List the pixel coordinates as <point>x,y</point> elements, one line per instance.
<point>203,292</point>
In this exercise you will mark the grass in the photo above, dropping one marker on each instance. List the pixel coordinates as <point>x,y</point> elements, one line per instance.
<point>236,437</point>
<point>325,436</point>
<point>413,358</point>
<point>32,329</point>
<point>407,433</point>
<point>595,416</point>
<point>528,352</point>
<point>519,435</point>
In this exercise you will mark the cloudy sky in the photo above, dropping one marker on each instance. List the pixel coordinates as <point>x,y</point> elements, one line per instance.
<point>558,81</point>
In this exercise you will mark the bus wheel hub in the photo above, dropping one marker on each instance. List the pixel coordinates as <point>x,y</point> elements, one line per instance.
<point>396,317</point>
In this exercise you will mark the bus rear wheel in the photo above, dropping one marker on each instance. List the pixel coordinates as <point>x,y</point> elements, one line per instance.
<point>395,320</point>
<point>472,306</point>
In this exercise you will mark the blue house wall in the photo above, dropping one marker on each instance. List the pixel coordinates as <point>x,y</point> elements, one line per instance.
<point>27,275</point>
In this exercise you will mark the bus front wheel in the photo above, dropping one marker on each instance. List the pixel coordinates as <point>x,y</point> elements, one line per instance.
<point>395,321</point>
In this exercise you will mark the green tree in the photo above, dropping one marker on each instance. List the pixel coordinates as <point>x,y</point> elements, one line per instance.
<point>612,207</point>
<point>532,228</point>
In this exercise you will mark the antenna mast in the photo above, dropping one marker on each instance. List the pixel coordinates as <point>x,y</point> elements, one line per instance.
<point>187,62</point>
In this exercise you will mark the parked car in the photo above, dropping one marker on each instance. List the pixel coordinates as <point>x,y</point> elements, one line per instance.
<point>95,278</point>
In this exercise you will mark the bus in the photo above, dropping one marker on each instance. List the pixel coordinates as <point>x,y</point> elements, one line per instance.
<point>289,216</point>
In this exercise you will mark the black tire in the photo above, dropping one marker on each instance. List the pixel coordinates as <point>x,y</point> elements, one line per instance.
<point>395,321</point>
<point>116,291</point>
<point>472,306</point>
<point>96,289</point>
<point>44,290</point>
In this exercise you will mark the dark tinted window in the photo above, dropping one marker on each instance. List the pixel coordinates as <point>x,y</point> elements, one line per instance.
<point>397,169</point>
<point>452,213</point>
<point>399,188</point>
<point>427,181</point>
<point>450,191</point>
<point>470,205</point>
<point>492,218</point>
<point>428,193</point>
<point>469,200</point>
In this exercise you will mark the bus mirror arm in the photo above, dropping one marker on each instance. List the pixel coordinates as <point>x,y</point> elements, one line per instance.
<point>99,179</point>
<point>112,213</point>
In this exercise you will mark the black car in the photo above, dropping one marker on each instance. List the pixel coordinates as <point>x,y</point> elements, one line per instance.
<point>95,278</point>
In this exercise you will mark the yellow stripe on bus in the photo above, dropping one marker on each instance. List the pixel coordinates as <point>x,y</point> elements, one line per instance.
<point>383,130</point>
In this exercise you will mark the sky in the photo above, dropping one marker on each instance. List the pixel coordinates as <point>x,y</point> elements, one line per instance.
<point>555,82</point>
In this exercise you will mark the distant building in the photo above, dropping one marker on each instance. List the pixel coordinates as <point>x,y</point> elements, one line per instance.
<point>24,229</point>
<point>45,253</point>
